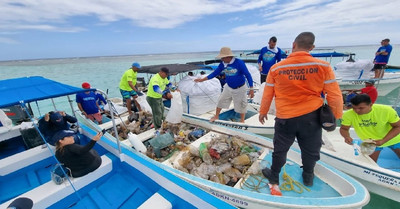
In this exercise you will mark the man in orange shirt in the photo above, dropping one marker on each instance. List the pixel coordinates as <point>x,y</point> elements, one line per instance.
<point>297,83</point>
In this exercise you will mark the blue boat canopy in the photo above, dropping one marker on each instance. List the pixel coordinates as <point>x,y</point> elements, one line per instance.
<point>322,54</point>
<point>28,89</point>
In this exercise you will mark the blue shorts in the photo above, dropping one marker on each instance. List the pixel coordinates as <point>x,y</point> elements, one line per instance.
<point>127,94</point>
<point>394,146</point>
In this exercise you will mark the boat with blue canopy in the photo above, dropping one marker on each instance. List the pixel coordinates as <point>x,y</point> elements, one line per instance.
<point>231,171</point>
<point>125,179</point>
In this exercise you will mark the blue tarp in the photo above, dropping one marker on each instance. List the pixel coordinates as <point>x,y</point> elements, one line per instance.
<point>28,89</point>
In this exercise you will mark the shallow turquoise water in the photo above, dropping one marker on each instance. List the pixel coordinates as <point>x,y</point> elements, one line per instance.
<point>105,72</point>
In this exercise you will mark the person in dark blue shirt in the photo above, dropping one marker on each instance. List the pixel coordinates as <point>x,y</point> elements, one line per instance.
<point>269,55</point>
<point>235,89</point>
<point>87,104</point>
<point>382,58</point>
<point>53,122</point>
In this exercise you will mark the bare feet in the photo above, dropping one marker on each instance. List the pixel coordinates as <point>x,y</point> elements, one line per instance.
<point>213,118</point>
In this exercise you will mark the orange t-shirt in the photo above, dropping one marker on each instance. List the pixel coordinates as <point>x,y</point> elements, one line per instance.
<point>297,83</point>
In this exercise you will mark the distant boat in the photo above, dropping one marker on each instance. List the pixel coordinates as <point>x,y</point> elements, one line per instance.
<point>353,75</point>
<point>125,179</point>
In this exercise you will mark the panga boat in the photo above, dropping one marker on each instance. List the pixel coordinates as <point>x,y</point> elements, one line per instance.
<point>125,179</point>
<point>199,100</point>
<point>381,177</point>
<point>226,163</point>
<point>353,74</point>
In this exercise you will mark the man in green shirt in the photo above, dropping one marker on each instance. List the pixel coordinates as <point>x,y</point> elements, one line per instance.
<point>127,86</point>
<point>158,83</point>
<point>372,121</point>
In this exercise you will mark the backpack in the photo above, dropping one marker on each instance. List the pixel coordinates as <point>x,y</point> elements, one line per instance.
<point>58,173</point>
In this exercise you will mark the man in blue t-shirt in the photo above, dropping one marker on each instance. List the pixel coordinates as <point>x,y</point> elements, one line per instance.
<point>235,89</point>
<point>269,55</point>
<point>87,104</point>
<point>382,58</point>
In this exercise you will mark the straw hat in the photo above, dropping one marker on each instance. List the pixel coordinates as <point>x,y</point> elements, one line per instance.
<point>225,52</point>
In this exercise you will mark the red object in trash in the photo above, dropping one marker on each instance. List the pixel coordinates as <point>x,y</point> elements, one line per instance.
<point>213,153</point>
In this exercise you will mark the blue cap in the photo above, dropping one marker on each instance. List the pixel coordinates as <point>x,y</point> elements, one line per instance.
<point>370,81</point>
<point>61,134</point>
<point>55,116</point>
<point>135,64</point>
<point>21,203</point>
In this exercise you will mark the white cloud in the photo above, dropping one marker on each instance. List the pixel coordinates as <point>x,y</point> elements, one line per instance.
<point>5,40</point>
<point>154,13</point>
<point>348,20</point>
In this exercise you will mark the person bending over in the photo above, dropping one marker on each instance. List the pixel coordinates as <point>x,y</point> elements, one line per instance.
<point>372,121</point>
<point>53,122</point>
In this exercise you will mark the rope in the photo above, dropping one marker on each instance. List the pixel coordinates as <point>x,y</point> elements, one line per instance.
<point>291,185</point>
<point>254,182</point>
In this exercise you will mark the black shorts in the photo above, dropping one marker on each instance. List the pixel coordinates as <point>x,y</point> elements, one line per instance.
<point>379,67</point>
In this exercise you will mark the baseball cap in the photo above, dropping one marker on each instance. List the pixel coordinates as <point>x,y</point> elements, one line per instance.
<point>165,70</point>
<point>85,85</point>
<point>55,116</point>
<point>370,81</point>
<point>21,203</point>
<point>135,64</point>
<point>386,39</point>
<point>61,134</point>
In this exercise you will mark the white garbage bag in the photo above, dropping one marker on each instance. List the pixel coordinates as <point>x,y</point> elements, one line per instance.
<point>258,94</point>
<point>5,121</point>
<point>175,112</point>
<point>255,74</point>
<point>258,99</point>
<point>360,69</point>
<point>199,98</point>
<point>144,105</point>
<point>117,109</point>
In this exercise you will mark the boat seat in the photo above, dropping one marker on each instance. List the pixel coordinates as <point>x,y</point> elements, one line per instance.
<point>24,159</point>
<point>156,201</point>
<point>50,193</point>
<point>118,120</point>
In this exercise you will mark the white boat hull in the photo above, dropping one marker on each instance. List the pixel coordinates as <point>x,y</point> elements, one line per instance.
<point>251,124</point>
<point>347,188</point>
<point>384,86</point>
<point>378,180</point>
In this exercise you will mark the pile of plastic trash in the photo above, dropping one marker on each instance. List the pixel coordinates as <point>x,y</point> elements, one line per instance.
<point>225,159</point>
<point>136,123</point>
<point>139,122</point>
<point>172,138</point>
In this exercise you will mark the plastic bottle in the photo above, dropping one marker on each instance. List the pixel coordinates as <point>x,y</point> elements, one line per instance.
<point>136,143</point>
<point>356,146</point>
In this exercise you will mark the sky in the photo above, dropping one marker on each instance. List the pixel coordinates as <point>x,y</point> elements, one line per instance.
<point>36,29</point>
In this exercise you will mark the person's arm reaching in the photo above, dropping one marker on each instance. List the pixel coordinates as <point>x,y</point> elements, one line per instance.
<point>344,131</point>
